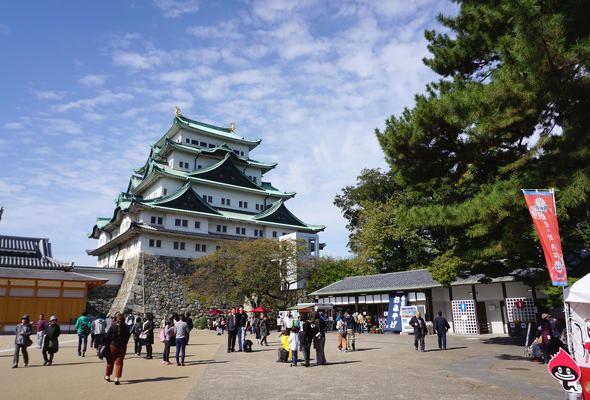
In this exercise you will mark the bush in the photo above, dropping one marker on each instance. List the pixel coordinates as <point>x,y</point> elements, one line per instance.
<point>201,323</point>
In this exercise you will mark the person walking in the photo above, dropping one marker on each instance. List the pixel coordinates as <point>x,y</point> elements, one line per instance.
<point>441,326</point>
<point>242,321</point>
<point>264,331</point>
<point>180,330</point>
<point>129,320</point>
<point>546,334</point>
<point>417,322</point>
<point>359,322</point>
<point>83,328</point>
<point>99,329</point>
<point>51,344</point>
<point>288,321</point>
<point>22,340</point>
<point>41,327</point>
<point>350,330</point>
<point>117,339</point>
<point>341,328</point>
<point>305,340</point>
<point>231,325</point>
<point>319,340</point>
<point>256,328</point>
<point>169,337</point>
<point>147,335</point>
<point>189,326</point>
<point>136,330</point>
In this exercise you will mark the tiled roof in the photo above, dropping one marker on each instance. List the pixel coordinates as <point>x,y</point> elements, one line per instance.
<point>52,275</point>
<point>22,245</point>
<point>27,252</point>
<point>393,281</point>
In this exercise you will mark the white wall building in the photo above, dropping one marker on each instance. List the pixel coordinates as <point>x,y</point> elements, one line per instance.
<point>198,188</point>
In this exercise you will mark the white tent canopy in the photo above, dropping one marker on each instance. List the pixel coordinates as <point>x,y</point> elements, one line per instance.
<point>577,298</point>
<point>579,292</point>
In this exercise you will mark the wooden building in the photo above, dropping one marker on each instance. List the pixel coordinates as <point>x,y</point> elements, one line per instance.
<point>32,282</point>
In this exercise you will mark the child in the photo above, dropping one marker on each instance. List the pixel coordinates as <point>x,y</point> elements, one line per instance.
<point>294,344</point>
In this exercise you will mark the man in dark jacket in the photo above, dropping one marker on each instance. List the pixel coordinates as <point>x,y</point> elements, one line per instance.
<point>242,321</point>
<point>231,324</point>
<point>417,322</point>
<point>441,326</point>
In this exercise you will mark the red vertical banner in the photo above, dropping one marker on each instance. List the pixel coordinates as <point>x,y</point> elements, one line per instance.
<point>542,209</point>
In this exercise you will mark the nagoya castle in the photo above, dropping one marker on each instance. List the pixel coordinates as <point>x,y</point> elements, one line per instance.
<point>198,188</point>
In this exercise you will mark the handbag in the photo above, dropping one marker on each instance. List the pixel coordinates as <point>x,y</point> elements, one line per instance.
<point>143,336</point>
<point>28,341</point>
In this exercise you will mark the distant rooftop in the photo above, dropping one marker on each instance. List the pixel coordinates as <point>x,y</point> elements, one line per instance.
<point>29,252</point>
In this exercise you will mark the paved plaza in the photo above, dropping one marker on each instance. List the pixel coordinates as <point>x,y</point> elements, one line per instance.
<point>384,366</point>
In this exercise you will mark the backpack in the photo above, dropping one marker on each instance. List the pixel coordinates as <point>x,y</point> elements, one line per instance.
<point>248,346</point>
<point>284,356</point>
<point>342,330</point>
<point>85,326</point>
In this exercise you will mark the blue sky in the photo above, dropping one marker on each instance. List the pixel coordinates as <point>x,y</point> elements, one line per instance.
<point>85,86</point>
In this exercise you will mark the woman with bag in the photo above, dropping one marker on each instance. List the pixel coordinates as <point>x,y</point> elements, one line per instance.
<point>51,345</point>
<point>147,335</point>
<point>22,340</point>
<point>117,338</point>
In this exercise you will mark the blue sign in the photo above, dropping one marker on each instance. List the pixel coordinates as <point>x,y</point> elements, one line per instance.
<point>463,306</point>
<point>394,317</point>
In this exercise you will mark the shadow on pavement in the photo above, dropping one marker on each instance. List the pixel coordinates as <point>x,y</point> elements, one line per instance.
<point>505,340</point>
<point>343,362</point>
<point>511,357</point>
<point>367,349</point>
<point>161,378</point>
<point>448,348</point>
<point>204,362</point>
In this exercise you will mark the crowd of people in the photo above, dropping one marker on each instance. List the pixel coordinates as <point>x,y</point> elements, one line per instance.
<point>108,336</point>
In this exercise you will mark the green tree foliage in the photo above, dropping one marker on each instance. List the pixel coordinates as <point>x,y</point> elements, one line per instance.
<point>242,269</point>
<point>510,111</point>
<point>326,270</point>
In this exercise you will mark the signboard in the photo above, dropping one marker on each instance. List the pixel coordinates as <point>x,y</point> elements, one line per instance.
<point>463,306</point>
<point>394,317</point>
<point>407,313</point>
<point>541,206</point>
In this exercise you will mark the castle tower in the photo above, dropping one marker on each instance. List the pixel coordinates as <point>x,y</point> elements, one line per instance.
<point>198,188</point>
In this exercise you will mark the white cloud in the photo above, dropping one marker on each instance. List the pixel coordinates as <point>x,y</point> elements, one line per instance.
<point>92,80</point>
<point>105,97</point>
<point>225,30</point>
<point>137,61</point>
<point>13,125</point>
<point>57,126</point>
<point>49,94</point>
<point>177,8</point>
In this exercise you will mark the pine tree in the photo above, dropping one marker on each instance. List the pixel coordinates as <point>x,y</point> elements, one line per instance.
<point>511,110</point>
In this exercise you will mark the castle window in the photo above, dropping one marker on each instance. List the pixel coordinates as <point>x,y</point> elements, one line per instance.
<point>274,234</point>
<point>203,247</point>
<point>177,222</point>
<point>185,222</point>
<point>175,245</point>
<point>165,192</point>
<point>211,145</point>
<point>228,201</point>
<point>158,243</point>
<point>153,220</point>
<point>224,228</point>
<point>237,230</point>
<point>199,166</point>
<point>257,206</point>
<point>210,199</point>
<point>188,140</point>
<point>197,224</point>
<point>254,179</point>
<point>218,228</point>
<point>182,245</point>
<point>203,144</point>
<point>242,152</point>
<point>243,231</point>
<point>198,247</point>
<point>160,220</point>
<point>255,232</point>
<point>195,142</point>
<point>152,242</point>
<point>223,201</point>
<point>240,204</point>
